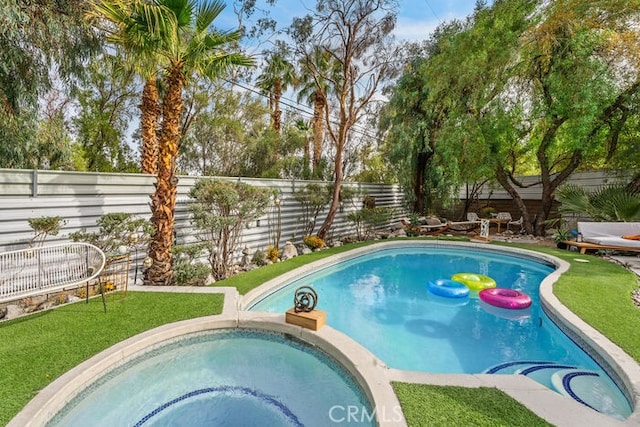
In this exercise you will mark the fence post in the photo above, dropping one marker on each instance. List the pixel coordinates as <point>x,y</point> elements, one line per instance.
<point>34,183</point>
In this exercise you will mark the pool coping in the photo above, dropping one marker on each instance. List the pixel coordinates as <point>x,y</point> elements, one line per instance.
<point>370,372</point>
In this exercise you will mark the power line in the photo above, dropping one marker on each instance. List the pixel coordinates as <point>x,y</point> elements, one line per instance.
<point>432,11</point>
<point>296,106</point>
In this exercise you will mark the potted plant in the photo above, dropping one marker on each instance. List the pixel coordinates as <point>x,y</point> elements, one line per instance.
<point>561,235</point>
<point>489,211</point>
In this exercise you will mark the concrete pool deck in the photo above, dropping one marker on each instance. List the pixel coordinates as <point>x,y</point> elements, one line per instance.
<point>370,372</point>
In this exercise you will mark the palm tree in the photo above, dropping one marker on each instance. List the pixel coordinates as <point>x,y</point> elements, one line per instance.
<point>181,32</point>
<point>608,203</point>
<point>128,31</point>
<point>150,112</point>
<point>313,90</point>
<point>278,75</point>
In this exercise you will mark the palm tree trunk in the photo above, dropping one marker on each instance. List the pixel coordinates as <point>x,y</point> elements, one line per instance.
<point>318,132</point>
<point>163,202</point>
<point>277,114</point>
<point>149,122</point>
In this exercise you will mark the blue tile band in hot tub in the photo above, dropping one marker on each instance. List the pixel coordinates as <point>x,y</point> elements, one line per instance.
<point>264,398</point>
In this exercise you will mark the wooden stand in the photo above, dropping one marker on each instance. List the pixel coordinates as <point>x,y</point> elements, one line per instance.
<point>583,246</point>
<point>313,320</point>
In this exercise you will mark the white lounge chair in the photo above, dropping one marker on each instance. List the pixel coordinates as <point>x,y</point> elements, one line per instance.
<point>472,216</point>
<point>472,222</point>
<point>518,222</point>
<point>433,226</point>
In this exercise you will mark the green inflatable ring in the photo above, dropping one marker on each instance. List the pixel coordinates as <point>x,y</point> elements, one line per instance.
<point>473,281</point>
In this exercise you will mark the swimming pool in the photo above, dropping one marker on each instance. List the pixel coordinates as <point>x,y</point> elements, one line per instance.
<point>381,300</point>
<point>228,377</point>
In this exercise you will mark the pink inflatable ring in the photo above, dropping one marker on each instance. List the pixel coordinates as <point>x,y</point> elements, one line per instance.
<point>505,298</point>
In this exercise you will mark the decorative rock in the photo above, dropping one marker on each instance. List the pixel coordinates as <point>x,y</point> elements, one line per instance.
<point>246,259</point>
<point>398,233</point>
<point>73,298</point>
<point>396,226</point>
<point>13,311</point>
<point>337,243</point>
<point>3,312</point>
<point>289,251</point>
<point>306,250</point>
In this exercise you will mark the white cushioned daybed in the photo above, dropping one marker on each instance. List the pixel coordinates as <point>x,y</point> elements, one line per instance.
<point>608,235</point>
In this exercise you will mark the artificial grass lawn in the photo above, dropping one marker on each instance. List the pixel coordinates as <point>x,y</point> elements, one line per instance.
<point>36,349</point>
<point>598,292</point>
<point>431,405</point>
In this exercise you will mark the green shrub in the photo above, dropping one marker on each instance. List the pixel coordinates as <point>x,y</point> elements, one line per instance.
<point>366,220</point>
<point>43,227</point>
<point>191,274</point>
<point>259,258</point>
<point>220,211</point>
<point>187,271</point>
<point>117,229</point>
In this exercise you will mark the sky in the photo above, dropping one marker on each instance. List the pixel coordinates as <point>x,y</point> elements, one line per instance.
<point>416,18</point>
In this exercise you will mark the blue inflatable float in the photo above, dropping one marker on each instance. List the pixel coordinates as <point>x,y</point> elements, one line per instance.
<point>448,288</point>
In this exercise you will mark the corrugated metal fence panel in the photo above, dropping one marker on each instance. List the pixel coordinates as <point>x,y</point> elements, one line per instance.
<point>590,181</point>
<point>81,198</point>
<point>17,182</point>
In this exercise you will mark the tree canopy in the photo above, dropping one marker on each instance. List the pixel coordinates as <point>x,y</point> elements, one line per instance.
<point>523,86</point>
<point>43,43</point>
<point>356,36</point>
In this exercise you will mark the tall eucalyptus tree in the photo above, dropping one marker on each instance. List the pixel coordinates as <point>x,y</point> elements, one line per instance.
<point>356,35</point>
<point>43,42</point>
<point>547,87</point>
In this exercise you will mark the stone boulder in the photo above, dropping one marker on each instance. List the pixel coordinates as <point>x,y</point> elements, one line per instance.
<point>289,251</point>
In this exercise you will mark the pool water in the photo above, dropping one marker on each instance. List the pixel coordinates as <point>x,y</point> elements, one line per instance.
<point>381,301</point>
<point>224,378</point>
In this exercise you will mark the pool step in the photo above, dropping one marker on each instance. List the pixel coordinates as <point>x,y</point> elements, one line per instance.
<point>587,387</point>
<point>591,389</point>
<point>542,373</point>
<point>513,367</point>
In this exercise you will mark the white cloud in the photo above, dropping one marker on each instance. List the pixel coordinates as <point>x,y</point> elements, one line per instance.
<point>414,30</point>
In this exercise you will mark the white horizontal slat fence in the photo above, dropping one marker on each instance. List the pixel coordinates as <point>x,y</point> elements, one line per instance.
<point>81,198</point>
